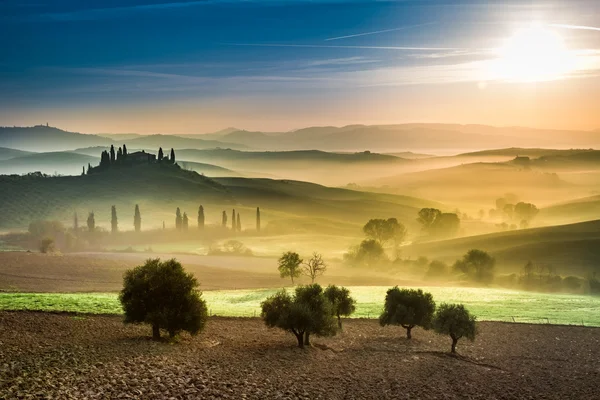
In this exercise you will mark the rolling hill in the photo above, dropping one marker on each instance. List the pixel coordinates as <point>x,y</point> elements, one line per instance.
<point>60,162</point>
<point>178,142</point>
<point>445,138</point>
<point>207,169</point>
<point>7,154</point>
<point>572,249</point>
<point>160,188</point>
<point>42,138</point>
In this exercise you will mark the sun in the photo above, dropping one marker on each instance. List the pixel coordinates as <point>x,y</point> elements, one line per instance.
<point>533,54</point>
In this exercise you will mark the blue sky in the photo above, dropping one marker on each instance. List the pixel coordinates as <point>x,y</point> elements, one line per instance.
<point>195,66</point>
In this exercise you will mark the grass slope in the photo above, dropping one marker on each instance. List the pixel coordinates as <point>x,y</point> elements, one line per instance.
<point>486,304</point>
<point>159,189</point>
<point>60,162</point>
<point>572,249</point>
<point>6,153</point>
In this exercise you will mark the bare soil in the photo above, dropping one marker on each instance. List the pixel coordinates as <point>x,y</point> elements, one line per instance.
<point>97,357</point>
<point>103,272</point>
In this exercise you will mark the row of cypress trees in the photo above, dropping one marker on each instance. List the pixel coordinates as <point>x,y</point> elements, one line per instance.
<point>181,220</point>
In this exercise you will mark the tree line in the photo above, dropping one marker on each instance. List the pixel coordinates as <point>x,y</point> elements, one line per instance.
<point>165,296</point>
<point>181,220</point>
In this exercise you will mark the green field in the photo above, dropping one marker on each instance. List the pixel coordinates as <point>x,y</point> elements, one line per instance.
<point>487,304</point>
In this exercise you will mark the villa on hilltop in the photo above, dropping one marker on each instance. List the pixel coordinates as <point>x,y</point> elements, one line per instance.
<point>111,158</point>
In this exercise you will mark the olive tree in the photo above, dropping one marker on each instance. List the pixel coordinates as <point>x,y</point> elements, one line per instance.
<point>456,321</point>
<point>342,303</point>
<point>289,265</point>
<point>383,230</point>
<point>307,312</point>
<point>407,308</point>
<point>163,295</point>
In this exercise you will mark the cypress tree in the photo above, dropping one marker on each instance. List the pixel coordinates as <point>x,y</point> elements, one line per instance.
<point>83,171</point>
<point>172,156</point>
<point>75,222</point>
<point>124,151</point>
<point>137,219</point>
<point>233,225</point>
<point>114,224</point>
<point>89,167</point>
<point>239,223</point>
<point>91,222</point>
<point>201,217</point>
<point>119,154</point>
<point>258,219</point>
<point>185,221</point>
<point>178,219</point>
<point>112,153</point>
<point>224,220</point>
<point>160,154</point>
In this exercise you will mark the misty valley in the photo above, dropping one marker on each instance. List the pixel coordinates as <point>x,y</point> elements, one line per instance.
<point>299,200</point>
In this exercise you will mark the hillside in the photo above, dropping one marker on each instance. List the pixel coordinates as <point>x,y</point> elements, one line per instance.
<point>160,188</point>
<point>6,153</point>
<point>207,169</point>
<point>527,152</point>
<point>583,209</point>
<point>477,183</point>
<point>26,198</point>
<point>445,138</point>
<point>44,138</point>
<point>60,162</point>
<point>178,142</point>
<point>572,249</point>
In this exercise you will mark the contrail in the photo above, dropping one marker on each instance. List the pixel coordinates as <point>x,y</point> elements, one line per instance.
<point>317,46</point>
<point>376,32</point>
<point>587,28</point>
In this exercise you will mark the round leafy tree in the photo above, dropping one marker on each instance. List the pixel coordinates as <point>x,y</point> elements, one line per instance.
<point>456,321</point>
<point>163,295</point>
<point>343,304</point>
<point>477,265</point>
<point>307,312</point>
<point>407,308</point>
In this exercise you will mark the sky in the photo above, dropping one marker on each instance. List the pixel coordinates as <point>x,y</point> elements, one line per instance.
<point>180,67</point>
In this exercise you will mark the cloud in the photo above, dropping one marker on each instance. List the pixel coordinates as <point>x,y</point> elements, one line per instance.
<point>377,32</point>
<point>317,46</point>
<point>587,28</point>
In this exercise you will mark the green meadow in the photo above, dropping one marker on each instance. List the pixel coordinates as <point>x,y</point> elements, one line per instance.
<point>487,304</point>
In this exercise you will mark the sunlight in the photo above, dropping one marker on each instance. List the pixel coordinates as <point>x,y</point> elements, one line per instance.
<point>533,54</point>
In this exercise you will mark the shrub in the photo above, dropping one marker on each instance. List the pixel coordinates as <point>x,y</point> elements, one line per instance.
<point>342,303</point>
<point>47,245</point>
<point>456,321</point>
<point>437,269</point>
<point>369,253</point>
<point>163,295</point>
<point>407,308</point>
<point>307,312</point>
<point>477,265</point>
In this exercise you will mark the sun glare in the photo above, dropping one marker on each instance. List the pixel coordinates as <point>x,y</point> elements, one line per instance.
<point>533,54</point>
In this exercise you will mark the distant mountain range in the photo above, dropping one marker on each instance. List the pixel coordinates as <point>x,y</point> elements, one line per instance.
<point>48,139</point>
<point>443,138</point>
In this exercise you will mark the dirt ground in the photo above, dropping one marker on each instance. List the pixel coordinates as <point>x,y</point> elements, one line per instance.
<point>103,272</point>
<point>97,357</point>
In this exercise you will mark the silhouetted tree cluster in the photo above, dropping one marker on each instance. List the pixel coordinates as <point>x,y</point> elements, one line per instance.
<point>438,224</point>
<point>477,265</point>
